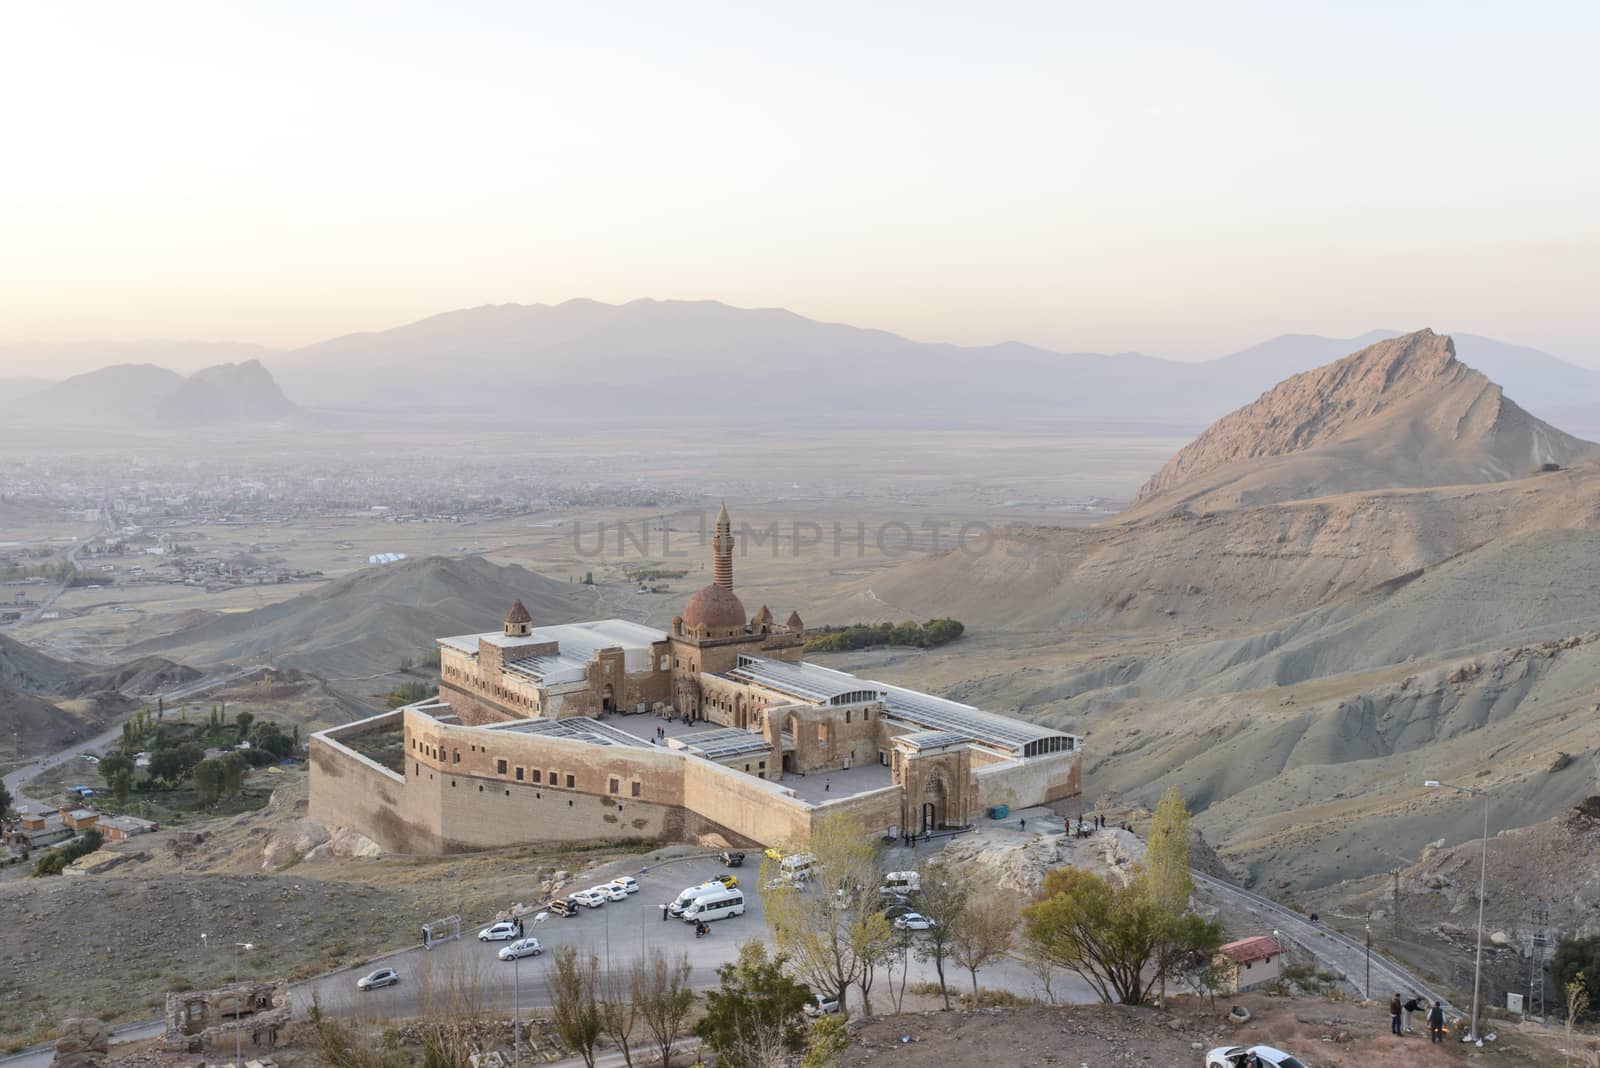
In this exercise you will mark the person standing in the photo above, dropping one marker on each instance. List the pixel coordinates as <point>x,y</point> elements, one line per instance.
<point>1394,1013</point>
<point>663,914</point>
<point>1413,1006</point>
<point>1436,1022</point>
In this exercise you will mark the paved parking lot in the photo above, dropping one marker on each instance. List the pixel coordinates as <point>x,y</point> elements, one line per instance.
<point>620,932</point>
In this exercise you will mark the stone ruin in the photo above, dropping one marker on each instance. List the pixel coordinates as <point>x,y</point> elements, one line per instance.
<point>203,1020</point>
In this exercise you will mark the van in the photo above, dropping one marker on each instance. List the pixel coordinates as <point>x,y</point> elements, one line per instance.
<point>715,907</point>
<point>897,883</point>
<point>796,867</point>
<point>685,899</point>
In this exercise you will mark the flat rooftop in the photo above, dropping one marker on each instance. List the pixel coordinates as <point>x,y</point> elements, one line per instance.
<point>821,786</point>
<point>576,728</point>
<point>576,642</point>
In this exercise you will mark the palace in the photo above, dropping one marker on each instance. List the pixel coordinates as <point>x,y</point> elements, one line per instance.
<point>611,730</point>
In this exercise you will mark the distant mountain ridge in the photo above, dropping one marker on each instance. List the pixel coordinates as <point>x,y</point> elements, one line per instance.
<point>147,395</point>
<point>583,359</point>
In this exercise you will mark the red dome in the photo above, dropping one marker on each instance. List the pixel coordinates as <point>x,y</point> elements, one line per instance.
<point>714,607</point>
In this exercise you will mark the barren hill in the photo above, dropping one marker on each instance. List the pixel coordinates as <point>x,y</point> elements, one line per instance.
<point>364,623</point>
<point>1400,413</point>
<point>25,668</point>
<point>232,393</point>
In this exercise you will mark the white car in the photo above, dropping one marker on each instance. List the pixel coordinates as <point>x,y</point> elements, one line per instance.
<point>381,977</point>
<point>1236,1056</point>
<point>589,899</point>
<point>913,921</point>
<point>610,891</point>
<point>522,947</point>
<point>498,932</point>
<point>627,883</point>
<point>820,1006</point>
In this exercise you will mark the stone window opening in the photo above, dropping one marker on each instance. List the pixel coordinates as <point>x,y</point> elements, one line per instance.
<point>535,775</point>
<point>635,790</point>
<point>571,780</point>
<point>519,774</point>
<point>457,759</point>
<point>500,766</point>
<point>613,786</point>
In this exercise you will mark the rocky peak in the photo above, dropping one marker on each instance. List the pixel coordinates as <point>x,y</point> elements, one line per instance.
<point>1402,412</point>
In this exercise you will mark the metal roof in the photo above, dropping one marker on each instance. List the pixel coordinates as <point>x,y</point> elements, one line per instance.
<point>578,641</point>
<point>573,728</point>
<point>931,739</point>
<point>821,685</point>
<point>721,744</point>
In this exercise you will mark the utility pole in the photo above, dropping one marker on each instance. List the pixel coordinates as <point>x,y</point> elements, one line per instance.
<point>1483,881</point>
<point>1367,989</point>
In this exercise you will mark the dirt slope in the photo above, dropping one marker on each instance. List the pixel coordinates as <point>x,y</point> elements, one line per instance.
<point>1400,413</point>
<point>364,623</point>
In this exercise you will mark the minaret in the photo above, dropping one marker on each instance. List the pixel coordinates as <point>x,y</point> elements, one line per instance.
<point>722,550</point>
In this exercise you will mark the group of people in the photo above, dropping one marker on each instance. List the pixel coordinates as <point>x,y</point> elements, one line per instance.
<point>1402,1011</point>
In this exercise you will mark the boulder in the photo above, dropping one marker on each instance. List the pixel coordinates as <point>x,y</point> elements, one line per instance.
<point>83,1044</point>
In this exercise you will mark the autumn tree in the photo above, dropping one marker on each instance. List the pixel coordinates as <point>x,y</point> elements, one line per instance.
<point>574,995</point>
<point>661,987</point>
<point>984,932</point>
<point>830,929</point>
<point>1111,935</point>
<point>944,898</point>
<point>1166,874</point>
<point>619,1011</point>
<point>756,1016</point>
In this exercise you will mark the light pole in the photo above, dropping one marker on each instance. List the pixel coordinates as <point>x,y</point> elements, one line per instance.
<point>1483,876</point>
<point>238,1060</point>
<point>516,1000</point>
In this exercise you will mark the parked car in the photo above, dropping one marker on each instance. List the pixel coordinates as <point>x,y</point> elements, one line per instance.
<point>628,883</point>
<point>732,859</point>
<point>91,758</point>
<point>820,1006</point>
<point>498,932</point>
<point>1234,1057</point>
<point>610,891</point>
<point>913,921</point>
<point>730,881</point>
<point>896,908</point>
<point>381,977</point>
<point>589,899</point>
<point>522,947</point>
<point>561,907</point>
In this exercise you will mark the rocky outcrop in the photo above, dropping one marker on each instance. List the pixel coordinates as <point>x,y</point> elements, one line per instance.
<point>1012,862</point>
<point>1403,412</point>
<point>83,1044</point>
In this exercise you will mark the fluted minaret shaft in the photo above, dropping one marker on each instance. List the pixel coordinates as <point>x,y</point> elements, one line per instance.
<point>722,551</point>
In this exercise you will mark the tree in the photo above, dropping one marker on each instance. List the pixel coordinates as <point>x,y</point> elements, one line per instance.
<point>243,721</point>
<point>1110,935</point>
<point>171,763</point>
<point>831,928</point>
<point>207,779</point>
<point>661,987</point>
<point>122,786</point>
<point>826,1043</point>
<point>1575,956</point>
<point>1166,869</point>
<point>113,763</point>
<point>986,930</point>
<point>5,799</point>
<point>574,991</point>
<point>944,897</point>
<point>232,780</point>
<point>619,1011</point>
<point>756,1016</point>
<point>1577,992</point>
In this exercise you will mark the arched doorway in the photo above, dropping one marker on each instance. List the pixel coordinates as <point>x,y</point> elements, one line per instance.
<point>607,703</point>
<point>935,797</point>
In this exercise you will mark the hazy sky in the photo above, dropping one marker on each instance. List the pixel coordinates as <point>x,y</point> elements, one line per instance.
<point>1182,179</point>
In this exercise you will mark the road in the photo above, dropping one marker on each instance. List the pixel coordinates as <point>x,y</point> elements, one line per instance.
<point>1341,954</point>
<point>14,780</point>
